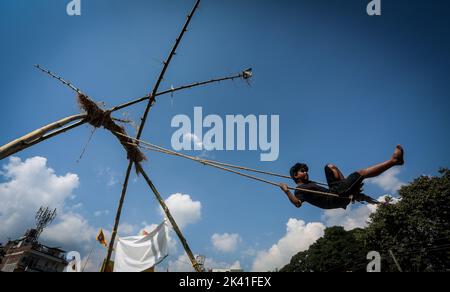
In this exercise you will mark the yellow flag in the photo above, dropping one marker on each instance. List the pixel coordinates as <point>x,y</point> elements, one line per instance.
<point>101,238</point>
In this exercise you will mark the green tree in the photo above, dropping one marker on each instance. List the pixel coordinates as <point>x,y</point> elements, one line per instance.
<point>337,251</point>
<point>417,228</point>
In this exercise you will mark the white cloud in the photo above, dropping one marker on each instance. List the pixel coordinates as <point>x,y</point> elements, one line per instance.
<point>110,175</point>
<point>30,184</point>
<point>72,232</point>
<point>77,206</point>
<point>388,181</point>
<point>191,137</point>
<point>181,264</point>
<point>226,242</point>
<point>299,237</point>
<point>126,229</point>
<point>352,217</point>
<point>249,253</point>
<point>101,213</point>
<point>184,210</point>
<point>349,219</point>
<point>112,181</point>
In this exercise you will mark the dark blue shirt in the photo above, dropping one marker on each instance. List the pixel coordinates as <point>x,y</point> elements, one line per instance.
<point>318,200</point>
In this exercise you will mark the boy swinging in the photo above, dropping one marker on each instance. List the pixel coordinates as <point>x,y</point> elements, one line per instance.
<point>349,189</point>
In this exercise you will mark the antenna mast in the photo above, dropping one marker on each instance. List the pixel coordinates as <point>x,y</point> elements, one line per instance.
<point>43,217</point>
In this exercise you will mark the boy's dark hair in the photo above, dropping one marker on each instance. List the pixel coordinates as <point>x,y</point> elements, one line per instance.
<point>296,168</point>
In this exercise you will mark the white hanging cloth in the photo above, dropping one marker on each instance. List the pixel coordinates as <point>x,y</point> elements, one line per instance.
<point>140,253</point>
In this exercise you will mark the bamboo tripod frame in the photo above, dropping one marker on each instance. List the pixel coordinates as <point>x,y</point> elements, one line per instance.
<point>69,123</point>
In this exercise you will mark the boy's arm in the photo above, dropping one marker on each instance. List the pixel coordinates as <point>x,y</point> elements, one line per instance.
<point>296,202</point>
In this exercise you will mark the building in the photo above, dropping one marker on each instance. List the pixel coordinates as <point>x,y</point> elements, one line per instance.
<point>26,254</point>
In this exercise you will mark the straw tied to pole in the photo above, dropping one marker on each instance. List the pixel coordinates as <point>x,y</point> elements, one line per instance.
<point>101,118</point>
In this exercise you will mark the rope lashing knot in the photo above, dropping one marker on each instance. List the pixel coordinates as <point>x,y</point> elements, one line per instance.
<point>100,118</point>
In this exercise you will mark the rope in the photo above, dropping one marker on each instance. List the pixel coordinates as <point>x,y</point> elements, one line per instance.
<point>87,144</point>
<point>259,171</point>
<point>219,165</point>
<point>243,167</point>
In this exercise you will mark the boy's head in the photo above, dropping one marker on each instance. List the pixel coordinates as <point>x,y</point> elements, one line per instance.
<point>299,173</point>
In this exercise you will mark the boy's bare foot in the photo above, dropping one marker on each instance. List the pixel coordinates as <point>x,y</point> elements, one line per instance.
<point>398,157</point>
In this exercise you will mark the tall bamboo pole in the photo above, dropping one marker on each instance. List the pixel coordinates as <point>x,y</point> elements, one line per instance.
<point>150,103</point>
<point>169,216</point>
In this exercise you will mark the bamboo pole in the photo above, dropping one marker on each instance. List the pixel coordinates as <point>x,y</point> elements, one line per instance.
<point>59,78</point>
<point>150,103</point>
<point>171,219</point>
<point>35,136</point>
<point>173,90</point>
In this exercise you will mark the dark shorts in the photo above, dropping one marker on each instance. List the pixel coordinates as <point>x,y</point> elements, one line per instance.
<point>346,187</point>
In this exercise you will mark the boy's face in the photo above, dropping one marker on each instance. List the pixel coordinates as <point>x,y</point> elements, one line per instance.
<point>302,175</point>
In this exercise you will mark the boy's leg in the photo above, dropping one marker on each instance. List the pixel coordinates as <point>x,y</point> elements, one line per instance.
<point>374,171</point>
<point>336,172</point>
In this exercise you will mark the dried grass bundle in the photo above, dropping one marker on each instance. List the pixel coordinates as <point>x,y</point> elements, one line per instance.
<point>100,118</point>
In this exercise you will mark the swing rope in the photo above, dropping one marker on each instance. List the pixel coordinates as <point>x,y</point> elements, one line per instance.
<point>223,166</point>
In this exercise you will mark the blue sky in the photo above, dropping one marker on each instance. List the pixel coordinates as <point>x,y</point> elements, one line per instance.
<point>348,88</point>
